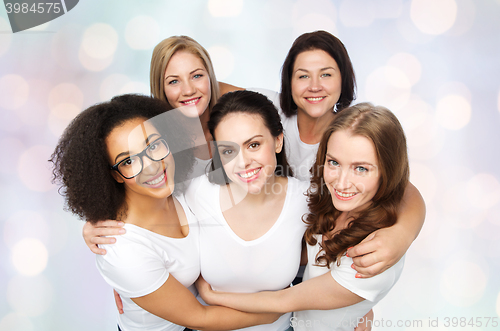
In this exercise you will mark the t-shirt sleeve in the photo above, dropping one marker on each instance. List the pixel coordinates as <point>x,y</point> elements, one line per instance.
<point>133,267</point>
<point>371,289</point>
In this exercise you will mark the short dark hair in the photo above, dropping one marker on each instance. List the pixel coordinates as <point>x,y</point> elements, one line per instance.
<point>327,42</point>
<point>247,102</point>
<point>80,160</point>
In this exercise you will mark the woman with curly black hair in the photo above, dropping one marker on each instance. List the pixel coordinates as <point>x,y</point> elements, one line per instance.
<point>126,159</point>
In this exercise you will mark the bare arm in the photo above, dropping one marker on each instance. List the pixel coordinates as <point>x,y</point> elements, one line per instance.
<point>224,88</point>
<point>321,292</point>
<point>96,234</point>
<point>175,303</point>
<point>385,247</point>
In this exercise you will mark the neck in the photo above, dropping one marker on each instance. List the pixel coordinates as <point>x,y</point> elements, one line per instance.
<point>311,129</point>
<point>238,195</point>
<point>145,211</point>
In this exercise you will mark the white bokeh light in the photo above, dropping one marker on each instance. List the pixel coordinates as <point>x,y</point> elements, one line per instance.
<point>225,8</point>
<point>30,296</point>
<point>222,60</point>
<point>498,304</point>
<point>466,17</point>
<point>112,85</point>
<point>306,19</point>
<point>100,41</point>
<point>34,170</point>
<point>421,285</point>
<point>357,13</point>
<point>142,32</point>
<point>388,8</point>
<point>408,64</point>
<point>15,91</point>
<point>17,322</point>
<point>29,256</point>
<point>65,93</point>
<point>23,224</point>
<point>424,137</point>
<point>423,177</point>
<point>498,101</point>
<point>463,281</point>
<point>458,212</point>
<point>453,112</point>
<point>388,86</point>
<point>94,64</point>
<point>60,116</point>
<point>5,38</point>
<point>13,147</point>
<point>135,87</point>
<point>433,17</point>
<point>486,191</point>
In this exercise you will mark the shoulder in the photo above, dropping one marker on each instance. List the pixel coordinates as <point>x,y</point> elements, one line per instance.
<point>134,265</point>
<point>372,289</point>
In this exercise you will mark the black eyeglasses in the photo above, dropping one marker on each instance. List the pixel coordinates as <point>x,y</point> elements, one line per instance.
<point>132,165</point>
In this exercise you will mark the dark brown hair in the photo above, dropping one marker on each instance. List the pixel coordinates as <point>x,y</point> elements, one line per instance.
<point>247,102</point>
<point>383,128</point>
<point>80,160</point>
<point>327,42</point>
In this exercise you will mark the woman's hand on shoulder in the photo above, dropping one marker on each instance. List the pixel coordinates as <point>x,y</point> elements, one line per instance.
<point>97,233</point>
<point>379,251</point>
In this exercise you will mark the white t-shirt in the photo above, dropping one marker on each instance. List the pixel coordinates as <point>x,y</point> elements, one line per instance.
<point>232,264</point>
<point>344,319</point>
<point>300,156</point>
<point>141,261</point>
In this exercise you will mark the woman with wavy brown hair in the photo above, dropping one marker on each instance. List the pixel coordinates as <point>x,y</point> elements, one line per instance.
<point>359,179</point>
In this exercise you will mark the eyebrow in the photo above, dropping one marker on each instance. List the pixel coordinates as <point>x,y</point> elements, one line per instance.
<point>354,163</point>
<point>244,143</point>
<point>148,139</point>
<point>322,69</point>
<point>189,73</point>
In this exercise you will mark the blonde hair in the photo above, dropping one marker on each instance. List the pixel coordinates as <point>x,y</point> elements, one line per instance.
<point>162,54</point>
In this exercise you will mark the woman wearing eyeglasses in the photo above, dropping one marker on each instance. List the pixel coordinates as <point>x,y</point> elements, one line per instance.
<point>116,161</point>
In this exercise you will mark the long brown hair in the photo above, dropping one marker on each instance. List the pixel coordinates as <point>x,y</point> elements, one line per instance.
<point>382,127</point>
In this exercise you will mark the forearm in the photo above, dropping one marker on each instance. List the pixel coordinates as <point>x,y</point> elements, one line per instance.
<point>222,318</point>
<point>260,302</point>
<point>411,214</point>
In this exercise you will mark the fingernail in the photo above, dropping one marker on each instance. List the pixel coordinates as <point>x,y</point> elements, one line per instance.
<point>122,231</point>
<point>352,266</point>
<point>358,275</point>
<point>121,223</point>
<point>347,253</point>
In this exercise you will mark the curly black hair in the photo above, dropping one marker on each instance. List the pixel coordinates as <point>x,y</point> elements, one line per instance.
<point>80,160</point>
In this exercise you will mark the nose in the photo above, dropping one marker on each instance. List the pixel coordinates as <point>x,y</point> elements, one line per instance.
<point>149,166</point>
<point>244,159</point>
<point>315,85</point>
<point>344,180</point>
<point>188,88</point>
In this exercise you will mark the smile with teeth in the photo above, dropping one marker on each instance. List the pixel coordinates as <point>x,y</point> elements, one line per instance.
<point>345,195</point>
<point>191,101</point>
<point>249,174</point>
<point>316,98</point>
<point>157,180</point>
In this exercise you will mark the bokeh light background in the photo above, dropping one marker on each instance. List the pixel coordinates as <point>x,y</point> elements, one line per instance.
<point>435,63</point>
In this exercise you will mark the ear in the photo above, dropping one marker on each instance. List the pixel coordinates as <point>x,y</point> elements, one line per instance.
<point>117,176</point>
<point>279,143</point>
